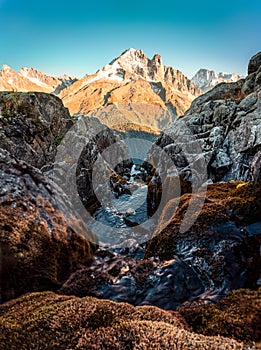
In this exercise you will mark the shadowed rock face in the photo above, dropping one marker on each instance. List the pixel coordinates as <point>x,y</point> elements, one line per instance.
<point>38,247</point>
<point>87,157</point>
<point>223,245</point>
<point>48,321</point>
<point>32,125</point>
<point>254,63</point>
<point>256,167</point>
<point>95,145</point>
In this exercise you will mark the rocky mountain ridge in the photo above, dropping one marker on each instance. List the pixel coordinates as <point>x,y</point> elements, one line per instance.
<point>131,89</point>
<point>30,79</point>
<point>206,79</point>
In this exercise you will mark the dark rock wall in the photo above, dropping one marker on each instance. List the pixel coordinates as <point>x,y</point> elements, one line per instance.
<point>32,125</point>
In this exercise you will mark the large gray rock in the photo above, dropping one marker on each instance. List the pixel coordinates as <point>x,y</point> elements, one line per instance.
<point>32,125</point>
<point>87,158</point>
<point>39,246</point>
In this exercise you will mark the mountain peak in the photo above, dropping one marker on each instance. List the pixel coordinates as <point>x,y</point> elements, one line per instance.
<point>206,79</point>
<point>129,54</point>
<point>132,78</point>
<point>133,64</point>
<point>26,70</point>
<point>131,51</point>
<point>6,69</point>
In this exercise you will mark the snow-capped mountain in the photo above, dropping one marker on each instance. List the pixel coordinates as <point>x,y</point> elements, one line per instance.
<point>132,88</point>
<point>30,79</point>
<point>207,79</point>
<point>53,84</point>
<point>133,64</point>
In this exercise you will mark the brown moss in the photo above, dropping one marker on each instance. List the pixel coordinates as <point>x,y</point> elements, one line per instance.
<point>48,321</point>
<point>37,254</point>
<point>238,315</point>
<point>224,202</point>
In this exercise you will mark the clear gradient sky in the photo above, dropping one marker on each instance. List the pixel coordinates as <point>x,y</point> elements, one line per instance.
<point>78,37</point>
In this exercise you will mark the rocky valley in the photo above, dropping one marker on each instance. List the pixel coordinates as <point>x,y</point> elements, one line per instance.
<point>108,243</point>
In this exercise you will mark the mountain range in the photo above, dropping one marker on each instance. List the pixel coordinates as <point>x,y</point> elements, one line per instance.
<point>30,79</point>
<point>192,288</point>
<point>131,89</point>
<point>207,79</point>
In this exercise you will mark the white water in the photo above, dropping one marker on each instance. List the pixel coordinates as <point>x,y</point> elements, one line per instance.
<point>111,220</point>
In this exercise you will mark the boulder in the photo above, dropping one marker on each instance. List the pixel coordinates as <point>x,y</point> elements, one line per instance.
<point>38,245</point>
<point>32,125</point>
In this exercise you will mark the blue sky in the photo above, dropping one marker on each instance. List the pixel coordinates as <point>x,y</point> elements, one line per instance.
<point>78,37</point>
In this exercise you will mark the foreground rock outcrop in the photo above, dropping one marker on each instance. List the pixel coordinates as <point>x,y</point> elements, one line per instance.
<point>48,321</point>
<point>32,125</point>
<point>39,248</point>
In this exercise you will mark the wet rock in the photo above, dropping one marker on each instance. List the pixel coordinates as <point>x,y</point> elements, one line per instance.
<point>32,125</point>
<point>119,185</point>
<point>223,241</point>
<point>146,282</point>
<point>39,248</point>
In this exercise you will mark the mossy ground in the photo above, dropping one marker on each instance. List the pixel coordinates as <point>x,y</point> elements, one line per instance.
<point>224,202</point>
<point>48,321</point>
<point>238,315</point>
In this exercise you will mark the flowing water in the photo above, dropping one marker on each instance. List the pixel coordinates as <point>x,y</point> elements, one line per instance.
<point>115,223</point>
